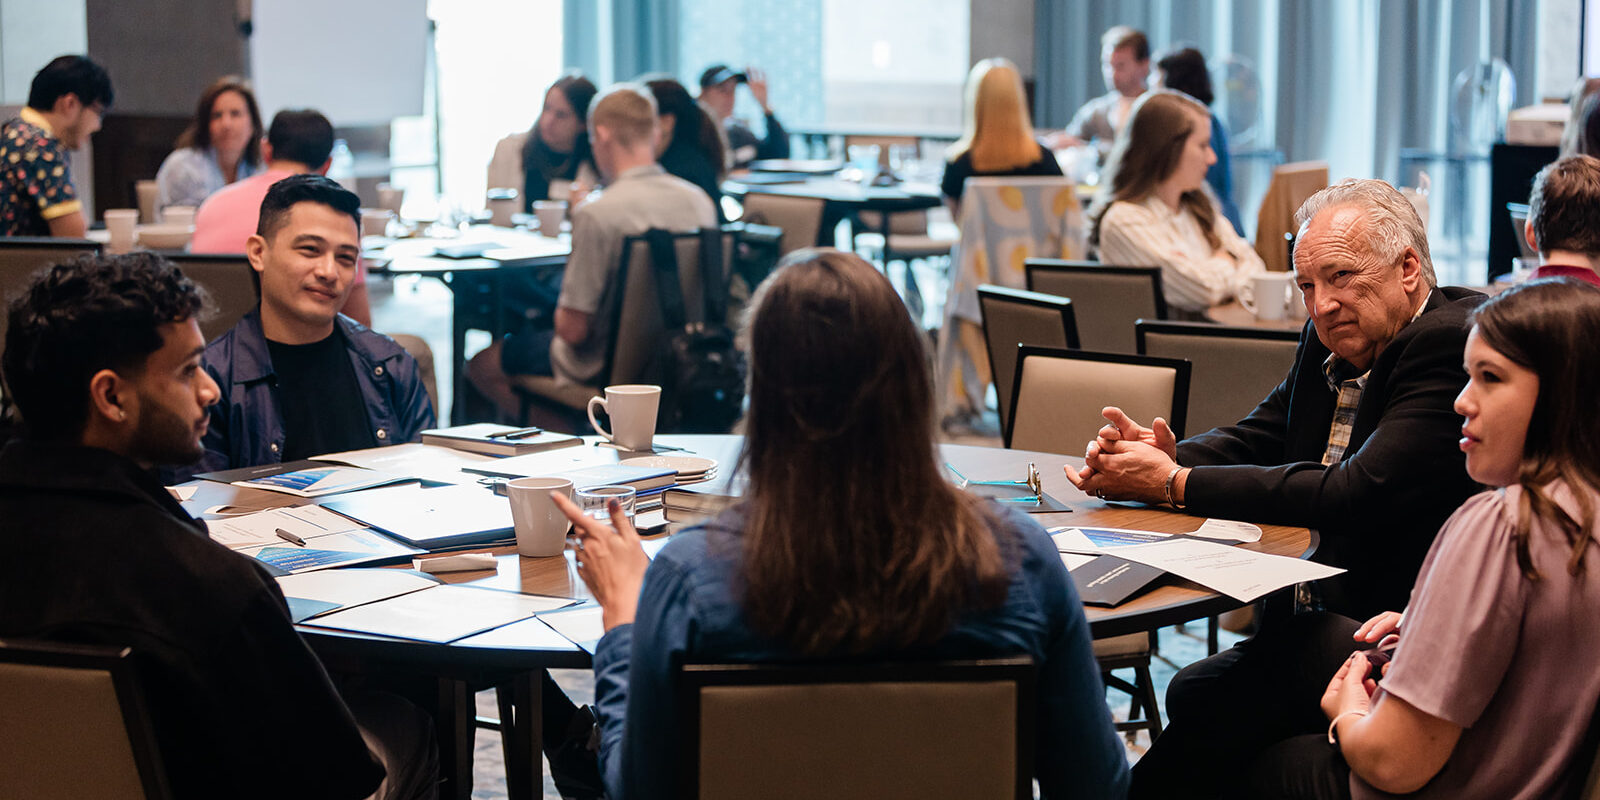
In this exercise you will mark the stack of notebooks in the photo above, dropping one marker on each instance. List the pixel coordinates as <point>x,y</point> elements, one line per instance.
<point>499,440</point>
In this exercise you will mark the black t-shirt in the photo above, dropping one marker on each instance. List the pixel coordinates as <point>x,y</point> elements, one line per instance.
<point>323,411</point>
<point>958,171</point>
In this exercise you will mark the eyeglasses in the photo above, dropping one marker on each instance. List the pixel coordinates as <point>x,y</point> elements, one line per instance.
<point>1033,482</point>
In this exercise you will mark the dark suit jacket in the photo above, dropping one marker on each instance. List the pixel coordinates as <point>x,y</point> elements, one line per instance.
<point>1403,474</point>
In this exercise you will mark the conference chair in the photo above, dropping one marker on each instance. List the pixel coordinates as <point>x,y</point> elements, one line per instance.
<point>1059,393</point>
<point>842,731</point>
<point>1056,409</point>
<point>1013,317</point>
<point>1232,369</point>
<point>1289,189</point>
<point>799,217</point>
<point>1106,299</point>
<point>21,257</point>
<point>634,352</point>
<point>229,284</point>
<point>75,724</point>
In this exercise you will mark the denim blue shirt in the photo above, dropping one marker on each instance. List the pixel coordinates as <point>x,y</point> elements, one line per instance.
<point>246,427</point>
<point>189,175</point>
<point>1220,175</point>
<point>690,609</point>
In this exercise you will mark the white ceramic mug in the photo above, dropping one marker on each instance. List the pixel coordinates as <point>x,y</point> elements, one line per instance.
<point>1268,297</point>
<point>550,214</point>
<point>632,408</point>
<point>178,215</point>
<point>541,527</point>
<point>120,223</point>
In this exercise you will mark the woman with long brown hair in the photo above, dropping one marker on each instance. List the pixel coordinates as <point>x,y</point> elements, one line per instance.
<point>1154,208</point>
<point>849,542</point>
<point>547,160</point>
<point>221,145</point>
<point>1493,683</point>
<point>999,136</point>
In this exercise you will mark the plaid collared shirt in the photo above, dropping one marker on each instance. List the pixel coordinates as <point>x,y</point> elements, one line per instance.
<point>1349,387</point>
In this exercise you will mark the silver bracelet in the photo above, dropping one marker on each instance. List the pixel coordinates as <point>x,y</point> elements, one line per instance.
<point>1171,477</point>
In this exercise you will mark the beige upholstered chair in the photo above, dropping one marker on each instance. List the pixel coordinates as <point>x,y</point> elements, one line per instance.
<point>23,256</point>
<point>1013,317</point>
<point>1106,299</point>
<point>799,217</point>
<point>1231,369</point>
<point>1291,185</point>
<point>1059,394</point>
<point>911,729</point>
<point>637,330</point>
<point>1056,409</point>
<point>230,287</point>
<point>75,724</point>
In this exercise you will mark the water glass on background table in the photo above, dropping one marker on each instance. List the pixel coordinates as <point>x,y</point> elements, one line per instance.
<point>594,499</point>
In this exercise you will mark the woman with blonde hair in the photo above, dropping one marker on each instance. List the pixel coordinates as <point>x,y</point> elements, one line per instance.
<point>1154,208</point>
<point>999,136</point>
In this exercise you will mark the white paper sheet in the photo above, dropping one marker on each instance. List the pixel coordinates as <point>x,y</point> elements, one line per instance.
<point>1228,530</point>
<point>260,528</point>
<point>423,461</point>
<point>530,634</point>
<point>583,626</point>
<point>181,493</point>
<point>351,587</point>
<point>440,614</point>
<point>1100,540</point>
<point>1241,574</point>
<point>1075,560</point>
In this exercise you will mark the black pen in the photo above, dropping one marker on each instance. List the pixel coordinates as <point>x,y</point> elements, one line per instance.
<point>289,537</point>
<point>520,433</point>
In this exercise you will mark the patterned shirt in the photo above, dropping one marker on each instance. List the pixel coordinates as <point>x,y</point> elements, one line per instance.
<point>35,177</point>
<point>1343,381</point>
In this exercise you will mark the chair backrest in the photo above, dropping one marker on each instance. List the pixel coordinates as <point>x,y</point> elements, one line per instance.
<point>883,143</point>
<point>229,287</point>
<point>21,257</point>
<point>1059,394</point>
<point>1105,299</point>
<point>1231,369</point>
<point>637,330</point>
<point>1519,222</point>
<point>907,729</point>
<point>1291,185</point>
<point>75,724</point>
<point>1013,317</point>
<point>799,217</point>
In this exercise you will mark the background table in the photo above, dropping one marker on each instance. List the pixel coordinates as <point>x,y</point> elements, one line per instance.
<point>475,283</point>
<point>1232,313</point>
<point>847,199</point>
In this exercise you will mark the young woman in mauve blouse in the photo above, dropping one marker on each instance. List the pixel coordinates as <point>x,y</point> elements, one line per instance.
<point>1493,686</point>
<point>848,543</point>
<point>1154,209</point>
<point>999,136</point>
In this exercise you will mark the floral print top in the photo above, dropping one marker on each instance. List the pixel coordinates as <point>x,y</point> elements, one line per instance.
<point>35,177</point>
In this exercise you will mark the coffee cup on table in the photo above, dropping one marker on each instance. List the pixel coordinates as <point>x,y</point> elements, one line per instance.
<point>502,204</point>
<point>391,197</point>
<point>375,221</point>
<point>541,527</point>
<point>550,214</point>
<point>120,223</point>
<point>632,408</point>
<point>178,215</point>
<point>1268,297</point>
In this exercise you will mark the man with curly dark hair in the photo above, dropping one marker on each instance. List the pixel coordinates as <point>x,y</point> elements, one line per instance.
<point>102,358</point>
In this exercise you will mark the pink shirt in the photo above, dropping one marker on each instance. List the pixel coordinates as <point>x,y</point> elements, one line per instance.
<point>227,219</point>
<point>1515,662</point>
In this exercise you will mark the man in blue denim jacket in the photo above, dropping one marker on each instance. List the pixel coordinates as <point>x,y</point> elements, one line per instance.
<point>297,377</point>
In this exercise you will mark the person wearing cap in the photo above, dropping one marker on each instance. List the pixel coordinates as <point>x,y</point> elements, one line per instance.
<point>718,85</point>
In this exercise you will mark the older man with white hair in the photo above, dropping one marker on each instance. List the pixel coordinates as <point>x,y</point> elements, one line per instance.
<point>1359,441</point>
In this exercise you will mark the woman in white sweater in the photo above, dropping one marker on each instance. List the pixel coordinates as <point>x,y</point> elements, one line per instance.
<point>1154,208</point>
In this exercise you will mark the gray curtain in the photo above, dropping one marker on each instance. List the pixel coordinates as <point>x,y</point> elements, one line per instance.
<point>612,40</point>
<point>1347,82</point>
